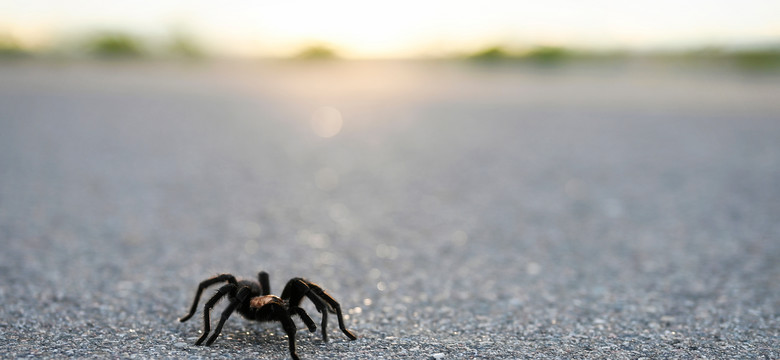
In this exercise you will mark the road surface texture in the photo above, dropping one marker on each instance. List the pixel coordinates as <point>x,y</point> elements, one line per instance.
<point>457,211</point>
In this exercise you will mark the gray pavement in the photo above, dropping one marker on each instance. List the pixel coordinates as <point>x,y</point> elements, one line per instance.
<point>459,211</point>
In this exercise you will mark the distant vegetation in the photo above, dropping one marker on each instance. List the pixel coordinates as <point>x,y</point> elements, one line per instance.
<point>111,44</point>
<point>116,44</point>
<point>761,58</point>
<point>11,49</point>
<point>543,55</point>
<point>750,58</point>
<point>317,52</point>
<point>120,45</point>
<point>766,58</point>
<point>549,54</point>
<point>493,53</point>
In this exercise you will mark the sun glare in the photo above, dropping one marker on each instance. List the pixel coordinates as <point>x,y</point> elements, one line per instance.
<point>354,28</point>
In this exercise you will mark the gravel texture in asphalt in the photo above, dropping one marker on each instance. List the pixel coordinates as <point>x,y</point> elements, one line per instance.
<point>456,211</point>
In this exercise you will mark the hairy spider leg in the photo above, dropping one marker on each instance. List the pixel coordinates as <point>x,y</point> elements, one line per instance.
<point>334,305</point>
<point>294,291</point>
<point>264,283</point>
<point>297,288</point>
<point>226,289</point>
<point>324,321</point>
<point>289,327</point>
<point>242,295</point>
<point>305,317</point>
<point>202,286</point>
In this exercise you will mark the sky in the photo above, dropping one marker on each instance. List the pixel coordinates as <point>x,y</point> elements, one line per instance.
<point>401,28</point>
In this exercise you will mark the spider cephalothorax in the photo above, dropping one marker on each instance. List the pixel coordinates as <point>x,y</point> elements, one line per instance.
<point>253,301</point>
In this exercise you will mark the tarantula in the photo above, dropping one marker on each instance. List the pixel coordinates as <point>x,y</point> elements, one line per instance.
<point>253,301</point>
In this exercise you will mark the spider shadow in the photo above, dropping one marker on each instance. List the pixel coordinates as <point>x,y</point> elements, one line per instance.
<point>247,334</point>
<point>268,338</point>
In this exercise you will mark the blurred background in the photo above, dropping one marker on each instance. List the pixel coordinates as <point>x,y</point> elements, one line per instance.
<point>471,179</point>
<point>404,29</point>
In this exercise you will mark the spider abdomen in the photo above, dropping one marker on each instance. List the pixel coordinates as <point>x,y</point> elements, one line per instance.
<point>260,301</point>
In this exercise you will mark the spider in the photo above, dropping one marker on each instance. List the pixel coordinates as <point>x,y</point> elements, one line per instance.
<point>253,301</point>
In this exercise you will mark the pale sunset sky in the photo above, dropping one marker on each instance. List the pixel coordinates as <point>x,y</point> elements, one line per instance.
<point>400,28</point>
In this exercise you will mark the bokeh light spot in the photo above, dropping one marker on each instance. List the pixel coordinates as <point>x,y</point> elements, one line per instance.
<point>326,121</point>
<point>374,273</point>
<point>459,238</point>
<point>533,268</point>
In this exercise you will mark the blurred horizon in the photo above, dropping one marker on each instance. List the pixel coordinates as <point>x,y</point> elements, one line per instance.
<point>401,30</point>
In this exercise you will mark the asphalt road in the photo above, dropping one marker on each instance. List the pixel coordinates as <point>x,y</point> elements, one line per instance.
<point>456,211</point>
